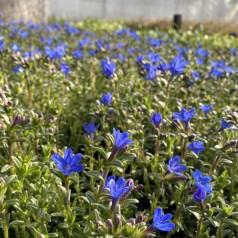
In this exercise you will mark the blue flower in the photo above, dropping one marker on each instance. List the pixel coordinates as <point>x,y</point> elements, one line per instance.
<point>184,115</point>
<point>233,51</point>
<point>78,54</point>
<point>68,164</point>
<point>195,74</point>
<point>84,42</point>
<point>216,72</point>
<point>118,188</point>
<point>154,58</point>
<point>196,147</point>
<point>90,128</point>
<point>202,181</point>
<point>162,67</point>
<point>225,125</point>
<point>151,71</point>
<point>18,69</point>
<point>202,52</point>
<point>106,98</point>
<point>200,61</point>
<point>139,59</point>
<point>162,222</point>
<point>108,68</point>
<point>56,53</point>
<point>156,119</point>
<point>206,108</point>
<point>199,195</point>
<point>156,42</point>
<point>131,51</point>
<point>16,47</point>
<point>177,65</point>
<point>65,68</point>
<point>174,165</point>
<point>1,45</point>
<point>121,139</point>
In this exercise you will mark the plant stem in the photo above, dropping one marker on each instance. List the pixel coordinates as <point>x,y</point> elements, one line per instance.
<point>154,203</point>
<point>5,225</point>
<point>215,164</point>
<point>183,152</point>
<point>105,173</point>
<point>219,230</point>
<point>29,90</point>
<point>68,192</point>
<point>199,227</point>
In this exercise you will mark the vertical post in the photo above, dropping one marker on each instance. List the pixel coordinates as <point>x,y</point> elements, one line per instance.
<point>177,23</point>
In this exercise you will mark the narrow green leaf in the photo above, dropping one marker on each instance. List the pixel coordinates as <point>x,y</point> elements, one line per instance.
<point>116,163</point>
<point>95,173</point>
<point>17,223</point>
<point>5,168</point>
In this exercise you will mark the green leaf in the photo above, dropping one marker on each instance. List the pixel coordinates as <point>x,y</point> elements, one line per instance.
<point>17,162</point>
<point>57,214</point>
<point>208,198</point>
<point>86,228</point>
<point>155,175</point>
<point>102,206</point>
<point>74,179</point>
<point>58,173</point>
<point>195,211</point>
<point>31,170</point>
<point>214,223</point>
<point>64,226</point>
<point>111,138</point>
<point>52,235</point>
<point>5,168</point>
<point>90,197</point>
<point>115,162</point>
<point>17,223</point>
<point>130,201</point>
<point>10,202</point>
<point>20,140</point>
<point>100,150</point>
<point>230,222</point>
<point>95,174</point>
<point>225,232</point>
<point>85,199</point>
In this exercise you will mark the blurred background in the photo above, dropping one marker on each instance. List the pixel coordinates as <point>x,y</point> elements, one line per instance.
<point>222,12</point>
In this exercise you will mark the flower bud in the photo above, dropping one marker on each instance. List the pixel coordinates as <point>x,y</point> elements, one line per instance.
<point>109,225</point>
<point>229,145</point>
<point>25,121</point>
<point>122,150</point>
<point>51,130</point>
<point>6,88</point>
<point>129,183</point>
<point>2,180</point>
<point>40,116</point>
<point>99,225</point>
<point>54,151</point>
<point>17,120</point>
<point>117,221</point>
<point>208,206</point>
<point>132,221</point>
<point>51,119</point>
<point>3,97</point>
<point>141,218</point>
<point>139,187</point>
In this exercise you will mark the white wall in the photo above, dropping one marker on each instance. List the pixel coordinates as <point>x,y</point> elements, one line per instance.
<point>198,10</point>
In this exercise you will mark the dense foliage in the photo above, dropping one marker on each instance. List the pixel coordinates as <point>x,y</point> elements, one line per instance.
<point>107,132</point>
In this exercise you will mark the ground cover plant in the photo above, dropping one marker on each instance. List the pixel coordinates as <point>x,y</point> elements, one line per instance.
<point>108,132</point>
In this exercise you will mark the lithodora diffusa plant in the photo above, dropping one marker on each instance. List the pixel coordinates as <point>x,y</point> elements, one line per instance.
<point>110,132</point>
